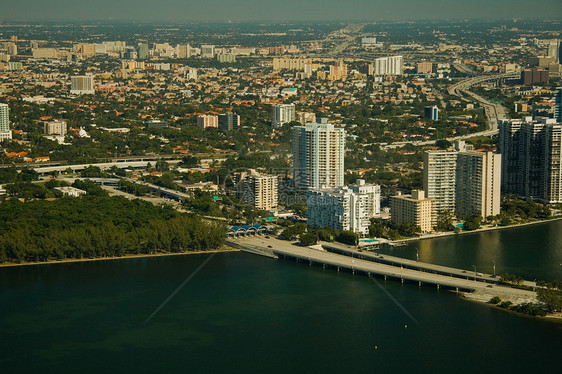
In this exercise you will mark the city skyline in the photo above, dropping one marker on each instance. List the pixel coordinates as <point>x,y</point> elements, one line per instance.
<point>291,10</point>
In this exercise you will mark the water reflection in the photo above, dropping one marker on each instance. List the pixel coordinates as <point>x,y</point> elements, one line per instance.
<point>534,251</point>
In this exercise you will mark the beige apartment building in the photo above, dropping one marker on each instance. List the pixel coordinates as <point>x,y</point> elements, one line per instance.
<point>463,182</point>
<point>206,121</point>
<point>258,190</point>
<point>414,209</point>
<point>281,63</point>
<point>55,128</point>
<point>478,184</point>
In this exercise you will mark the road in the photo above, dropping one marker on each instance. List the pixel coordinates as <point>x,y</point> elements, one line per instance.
<point>350,34</point>
<point>494,111</point>
<point>395,269</point>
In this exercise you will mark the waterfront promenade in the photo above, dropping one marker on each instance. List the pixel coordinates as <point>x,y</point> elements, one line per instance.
<point>481,288</point>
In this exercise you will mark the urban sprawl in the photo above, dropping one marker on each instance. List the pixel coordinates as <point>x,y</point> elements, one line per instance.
<point>316,132</point>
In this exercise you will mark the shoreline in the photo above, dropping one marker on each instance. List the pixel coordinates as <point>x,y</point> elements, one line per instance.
<point>555,317</point>
<point>224,248</point>
<point>482,229</point>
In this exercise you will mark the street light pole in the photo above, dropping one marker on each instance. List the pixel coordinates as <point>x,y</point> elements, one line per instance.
<point>494,268</point>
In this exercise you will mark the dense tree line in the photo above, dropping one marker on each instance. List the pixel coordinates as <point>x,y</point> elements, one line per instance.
<point>524,209</point>
<point>13,175</point>
<point>98,226</point>
<point>511,279</point>
<point>550,299</point>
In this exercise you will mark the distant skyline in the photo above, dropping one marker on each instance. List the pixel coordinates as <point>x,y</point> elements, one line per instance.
<point>278,10</point>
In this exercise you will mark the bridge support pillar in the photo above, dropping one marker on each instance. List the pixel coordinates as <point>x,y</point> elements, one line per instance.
<point>457,290</point>
<point>402,279</point>
<point>385,278</point>
<point>437,286</point>
<point>419,284</point>
<point>338,268</point>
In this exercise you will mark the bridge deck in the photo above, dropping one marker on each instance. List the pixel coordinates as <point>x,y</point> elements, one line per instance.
<point>286,249</point>
<point>409,264</point>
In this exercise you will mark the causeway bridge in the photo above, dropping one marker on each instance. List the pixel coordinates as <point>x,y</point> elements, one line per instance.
<point>346,258</point>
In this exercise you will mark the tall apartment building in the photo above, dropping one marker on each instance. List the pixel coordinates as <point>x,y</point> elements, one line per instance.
<point>5,132</point>
<point>281,114</point>
<point>531,76</point>
<point>190,73</point>
<point>553,164</point>
<point>558,105</point>
<point>431,112</point>
<point>142,50</point>
<point>440,179</point>
<point>44,53</point>
<point>11,48</point>
<point>338,71</point>
<point>226,57</point>
<point>373,192</point>
<point>532,158</point>
<point>414,209</point>
<point>343,208</point>
<point>207,51</point>
<point>82,84</point>
<point>554,49</point>
<point>183,51</point>
<point>465,182</point>
<point>318,155</point>
<point>306,117</point>
<point>55,128</point>
<point>285,63</point>
<point>229,121</point>
<point>388,66</point>
<point>85,49</point>
<point>260,191</point>
<point>478,184</point>
<point>424,67</point>
<point>368,41</point>
<point>206,121</point>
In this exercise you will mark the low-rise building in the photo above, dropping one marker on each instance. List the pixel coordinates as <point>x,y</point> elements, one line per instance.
<point>55,128</point>
<point>71,191</point>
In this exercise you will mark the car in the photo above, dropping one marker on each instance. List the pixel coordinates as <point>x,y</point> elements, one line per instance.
<point>489,286</point>
<point>269,246</point>
<point>267,237</point>
<point>464,271</point>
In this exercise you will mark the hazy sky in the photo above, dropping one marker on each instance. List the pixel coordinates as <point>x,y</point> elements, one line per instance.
<point>274,10</point>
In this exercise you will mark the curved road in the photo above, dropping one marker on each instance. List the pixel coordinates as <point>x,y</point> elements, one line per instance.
<point>495,112</point>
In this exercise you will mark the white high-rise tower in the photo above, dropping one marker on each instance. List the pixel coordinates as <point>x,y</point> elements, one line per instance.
<point>5,132</point>
<point>282,113</point>
<point>318,155</point>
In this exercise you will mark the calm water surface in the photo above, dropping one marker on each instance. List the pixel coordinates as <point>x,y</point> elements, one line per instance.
<point>246,314</point>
